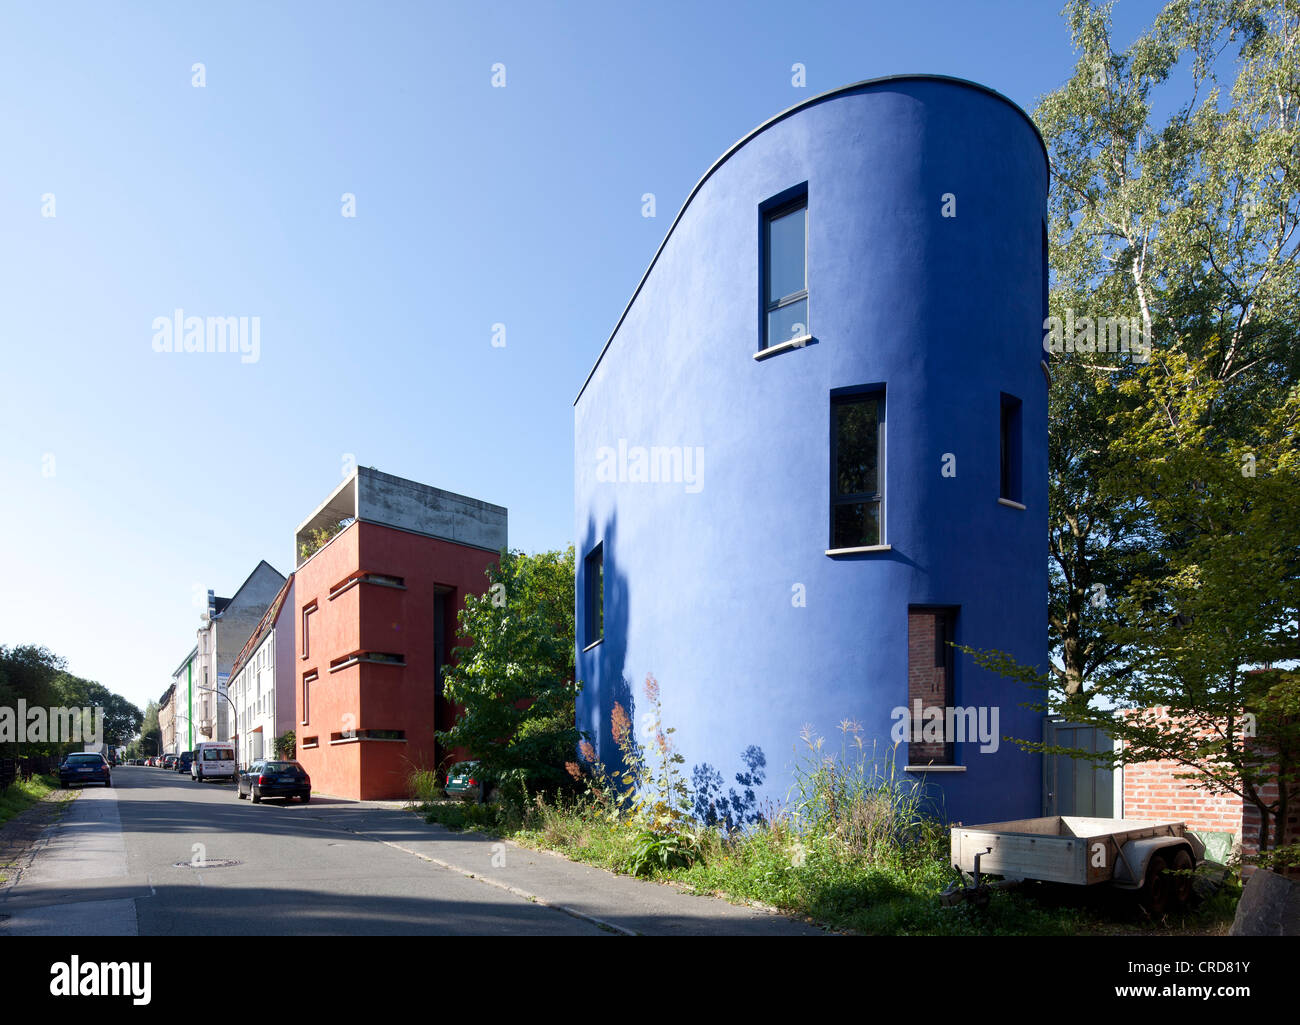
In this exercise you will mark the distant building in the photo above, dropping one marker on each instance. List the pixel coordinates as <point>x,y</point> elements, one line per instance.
<point>375,611</point>
<point>167,720</point>
<point>201,679</point>
<point>183,702</point>
<point>262,681</point>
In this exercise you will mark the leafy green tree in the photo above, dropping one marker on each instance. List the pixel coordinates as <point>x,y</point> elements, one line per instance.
<point>150,731</point>
<point>1175,530</point>
<point>513,678</point>
<point>122,719</point>
<point>1187,224</point>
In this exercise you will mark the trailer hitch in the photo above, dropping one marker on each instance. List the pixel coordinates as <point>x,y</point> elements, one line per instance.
<point>977,893</point>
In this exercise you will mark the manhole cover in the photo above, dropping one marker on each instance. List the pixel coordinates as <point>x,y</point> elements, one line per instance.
<point>209,863</point>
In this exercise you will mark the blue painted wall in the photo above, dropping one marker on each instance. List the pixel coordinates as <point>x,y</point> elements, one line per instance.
<point>947,314</point>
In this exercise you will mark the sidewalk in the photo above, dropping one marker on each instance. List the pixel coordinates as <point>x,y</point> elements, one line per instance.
<point>618,903</point>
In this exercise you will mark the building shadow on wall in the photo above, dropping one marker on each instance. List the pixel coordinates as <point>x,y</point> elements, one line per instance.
<point>606,683</point>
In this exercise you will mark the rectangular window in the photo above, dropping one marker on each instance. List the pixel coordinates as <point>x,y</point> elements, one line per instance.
<point>785,272</point>
<point>594,595</point>
<point>1010,450</point>
<point>857,469</point>
<point>307,680</point>
<point>307,610</point>
<point>930,633</point>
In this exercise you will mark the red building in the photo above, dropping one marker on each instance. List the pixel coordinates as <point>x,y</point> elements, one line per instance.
<point>376,609</point>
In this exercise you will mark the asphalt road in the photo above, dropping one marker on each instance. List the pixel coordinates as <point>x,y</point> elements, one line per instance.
<point>145,858</point>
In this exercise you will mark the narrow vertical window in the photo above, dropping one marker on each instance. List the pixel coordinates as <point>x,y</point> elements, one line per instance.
<point>1010,450</point>
<point>307,680</point>
<point>857,477</point>
<point>594,596</point>
<point>307,610</point>
<point>785,273</point>
<point>930,633</point>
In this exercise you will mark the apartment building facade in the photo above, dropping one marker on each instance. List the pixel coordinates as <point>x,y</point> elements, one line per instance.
<point>375,611</point>
<point>262,681</point>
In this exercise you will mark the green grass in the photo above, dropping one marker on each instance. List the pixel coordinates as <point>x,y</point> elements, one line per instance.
<point>857,849</point>
<point>23,793</point>
<point>894,895</point>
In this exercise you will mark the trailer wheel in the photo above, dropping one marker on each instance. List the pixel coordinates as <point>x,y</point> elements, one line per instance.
<point>1182,884</point>
<point>1157,893</point>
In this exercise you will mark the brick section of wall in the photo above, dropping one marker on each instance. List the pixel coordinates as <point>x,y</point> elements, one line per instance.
<point>928,678</point>
<point>1153,791</point>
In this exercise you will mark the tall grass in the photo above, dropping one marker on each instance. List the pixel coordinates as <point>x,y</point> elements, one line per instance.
<point>858,799</point>
<point>422,786</point>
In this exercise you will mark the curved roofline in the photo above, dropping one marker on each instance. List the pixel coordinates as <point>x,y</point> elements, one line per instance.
<point>768,124</point>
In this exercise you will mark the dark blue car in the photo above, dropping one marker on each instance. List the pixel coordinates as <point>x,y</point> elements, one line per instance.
<point>285,779</point>
<point>85,767</point>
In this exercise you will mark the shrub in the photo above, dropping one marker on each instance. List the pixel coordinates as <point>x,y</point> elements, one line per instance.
<point>662,849</point>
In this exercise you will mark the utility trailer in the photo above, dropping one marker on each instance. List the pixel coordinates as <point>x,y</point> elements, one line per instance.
<point>1129,854</point>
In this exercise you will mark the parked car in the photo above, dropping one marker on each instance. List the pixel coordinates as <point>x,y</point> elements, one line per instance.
<point>169,761</point>
<point>274,779</point>
<point>213,759</point>
<point>85,767</point>
<point>183,761</point>
<point>463,783</point>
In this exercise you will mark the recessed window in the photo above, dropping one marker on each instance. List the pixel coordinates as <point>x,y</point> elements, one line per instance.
<point>785,272</point>
<point>930,635</point>
<point>354,735</point>
<point>307,680</point>
<point>857,469</point>
<point>307,610</point>
<point>594,595</point>
<point>1010,450</point>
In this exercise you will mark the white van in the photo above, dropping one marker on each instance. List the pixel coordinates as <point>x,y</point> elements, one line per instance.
<point>213,759</point>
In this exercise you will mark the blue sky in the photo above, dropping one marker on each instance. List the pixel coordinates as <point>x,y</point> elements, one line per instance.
<point>136,479</point>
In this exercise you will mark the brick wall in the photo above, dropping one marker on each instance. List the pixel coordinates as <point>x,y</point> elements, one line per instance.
<point>928,677</point>
<point>1153,791</point>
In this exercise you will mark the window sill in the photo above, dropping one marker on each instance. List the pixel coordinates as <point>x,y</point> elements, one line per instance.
<point>1011,504</point>
<point>832,552</point>
<point>934,768</point>
<point>793,343</point>
<point>594,643</point>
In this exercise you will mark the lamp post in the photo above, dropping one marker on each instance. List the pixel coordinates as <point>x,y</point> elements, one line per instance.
<point>234,715</point>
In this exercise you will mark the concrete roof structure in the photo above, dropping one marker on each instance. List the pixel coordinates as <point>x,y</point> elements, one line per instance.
<point>371,496</point>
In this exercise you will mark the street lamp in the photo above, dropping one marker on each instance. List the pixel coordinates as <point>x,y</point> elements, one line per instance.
<point>234,714</point>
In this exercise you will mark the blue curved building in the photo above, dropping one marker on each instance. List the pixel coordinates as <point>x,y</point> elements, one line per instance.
<point>812,456</point>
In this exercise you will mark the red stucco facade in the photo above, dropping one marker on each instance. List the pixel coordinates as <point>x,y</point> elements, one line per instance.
<point>357,702</point>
